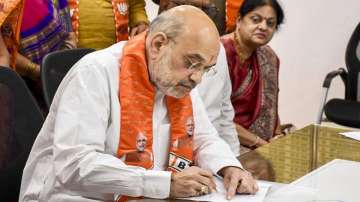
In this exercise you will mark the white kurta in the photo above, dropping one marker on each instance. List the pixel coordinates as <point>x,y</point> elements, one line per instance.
<point>74,155</point>
<point>215,91</point>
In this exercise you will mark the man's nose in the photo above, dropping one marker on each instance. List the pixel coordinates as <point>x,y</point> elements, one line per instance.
<point>196,76</point>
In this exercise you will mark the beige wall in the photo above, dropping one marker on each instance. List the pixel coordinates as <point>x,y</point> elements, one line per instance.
<point>311,43</point>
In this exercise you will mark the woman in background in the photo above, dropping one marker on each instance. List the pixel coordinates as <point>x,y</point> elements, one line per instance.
<point>254,68</point>
<point>30,29</point>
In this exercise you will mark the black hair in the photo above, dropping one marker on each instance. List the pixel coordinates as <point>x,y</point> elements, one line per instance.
<point>250,5</point>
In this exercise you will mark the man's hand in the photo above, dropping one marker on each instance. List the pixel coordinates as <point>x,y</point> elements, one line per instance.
<point>192,181</point>
<point>142,26</point>
<point>238,180</point>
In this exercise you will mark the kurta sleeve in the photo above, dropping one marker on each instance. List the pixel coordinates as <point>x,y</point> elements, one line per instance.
<point>211,151</point>
<point>81,163</point>
<point>226,119</point>
<point>215,91</point>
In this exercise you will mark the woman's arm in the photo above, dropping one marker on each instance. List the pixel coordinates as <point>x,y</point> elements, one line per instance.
<point>249,139</point>
<point>26,67</point>
<point>4,53</point>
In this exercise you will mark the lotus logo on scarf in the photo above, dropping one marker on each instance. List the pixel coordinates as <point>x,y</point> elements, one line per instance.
<point>122,8</point>
<point>72,12</point>
<point>2,6</point>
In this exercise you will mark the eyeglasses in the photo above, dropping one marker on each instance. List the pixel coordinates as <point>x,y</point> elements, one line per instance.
<point>193,66</point>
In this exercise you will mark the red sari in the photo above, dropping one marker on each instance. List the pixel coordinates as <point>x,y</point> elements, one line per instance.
<point>254,89</point>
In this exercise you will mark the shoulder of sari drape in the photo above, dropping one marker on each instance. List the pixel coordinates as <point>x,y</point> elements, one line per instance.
<point>11,12</point>
<point>271,55</point>
<point>7,7</point>
<point>266,123</point>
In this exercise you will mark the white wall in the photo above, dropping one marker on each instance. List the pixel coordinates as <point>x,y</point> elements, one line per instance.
<point>311,43</point>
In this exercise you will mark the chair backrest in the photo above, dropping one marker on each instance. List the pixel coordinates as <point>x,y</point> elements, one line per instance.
<point>20,121</point>
<point>54,67</point>
<point>352,60</point>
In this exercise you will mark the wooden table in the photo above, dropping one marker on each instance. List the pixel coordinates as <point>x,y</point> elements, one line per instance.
<point>293,156</point>
<point>297,154</point>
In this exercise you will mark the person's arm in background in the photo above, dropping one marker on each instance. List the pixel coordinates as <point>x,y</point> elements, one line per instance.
<point>249,139</point>
<point>23,65</point>
<point>4,53</point>
<point>138,20</point>
<point>215,90</point>
<point>213,154</point>
<point>26,67</point>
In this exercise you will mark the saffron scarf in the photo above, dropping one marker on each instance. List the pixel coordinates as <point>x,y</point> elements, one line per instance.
<point>254,89</point>
<point>121,17</point>
<point>45,26</point>
<point>10,22</point>
<point>232,11</point>
<point>137,99</point>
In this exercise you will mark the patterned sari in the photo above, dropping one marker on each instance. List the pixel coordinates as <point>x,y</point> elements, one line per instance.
<point>45,26</point>
<point>10,22</point>
<point>254,89</point>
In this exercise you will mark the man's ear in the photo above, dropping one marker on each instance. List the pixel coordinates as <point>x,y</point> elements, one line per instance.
<point>158,41</point>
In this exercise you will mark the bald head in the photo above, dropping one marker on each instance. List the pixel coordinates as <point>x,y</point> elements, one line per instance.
<point>181,45</point>
<point>184,20</point>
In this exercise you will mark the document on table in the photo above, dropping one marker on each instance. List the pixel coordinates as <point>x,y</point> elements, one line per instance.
<point>353,135</point>
<point>220,195</point>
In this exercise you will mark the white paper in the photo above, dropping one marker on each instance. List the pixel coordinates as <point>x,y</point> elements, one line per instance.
<point>220,195</point>
<point>353,135</point>
<point>292,193</point>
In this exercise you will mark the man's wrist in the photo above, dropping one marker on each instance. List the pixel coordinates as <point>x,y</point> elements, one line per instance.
<point>222,170</point>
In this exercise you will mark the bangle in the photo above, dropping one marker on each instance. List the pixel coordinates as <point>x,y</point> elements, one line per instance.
<point>255,142</point>
<point>31,69</point>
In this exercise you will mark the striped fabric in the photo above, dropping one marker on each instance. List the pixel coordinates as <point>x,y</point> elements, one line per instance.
<point>44,28</point>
